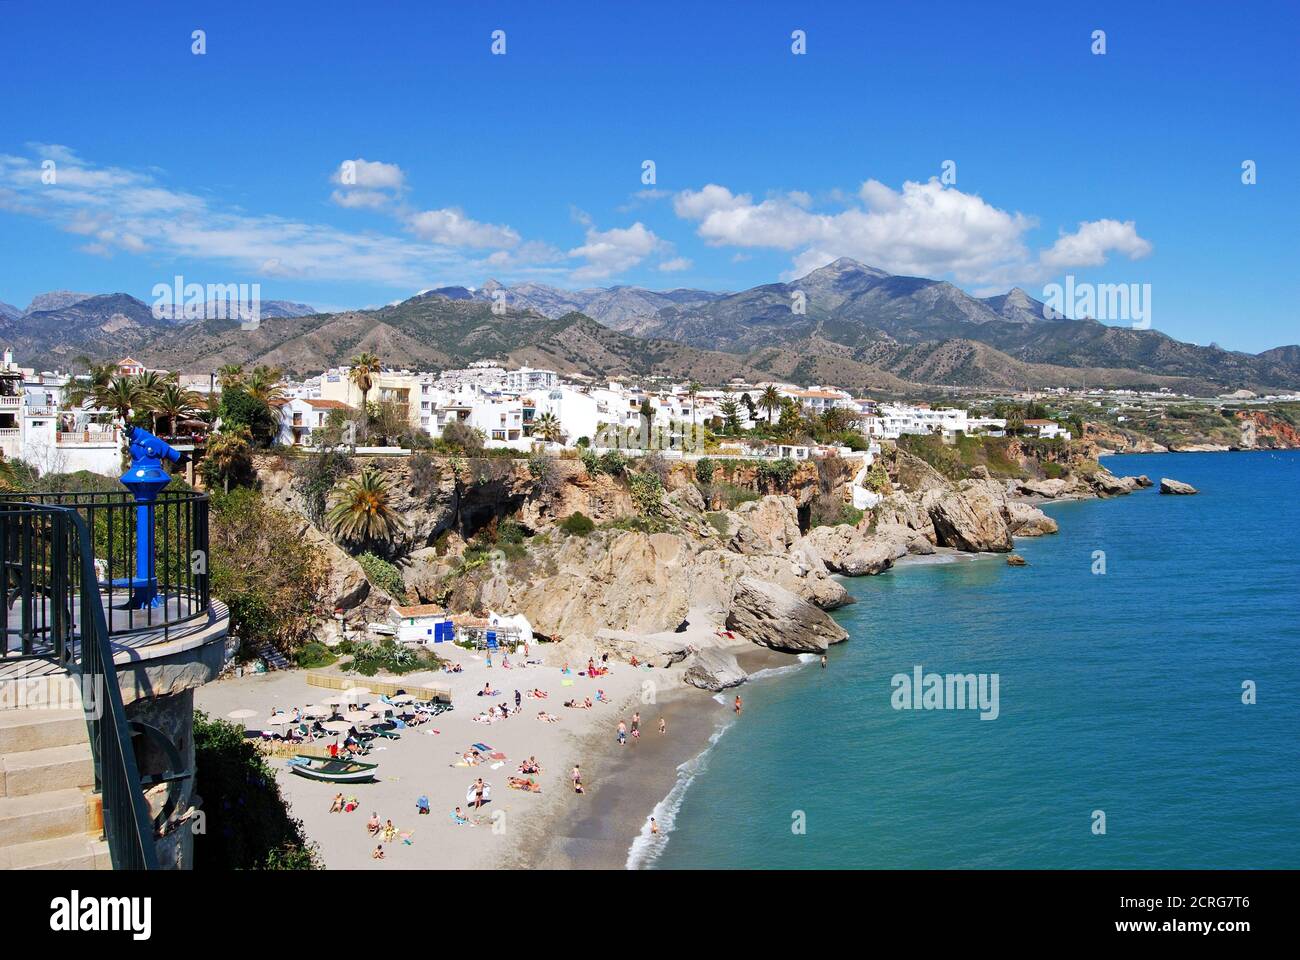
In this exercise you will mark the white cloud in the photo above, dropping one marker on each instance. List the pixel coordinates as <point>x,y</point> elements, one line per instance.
<point>675,265</point>
<point>369,175</point>
<point>453,228</point>
<point>924,229</point>
<point>121,210</point>
<point>612,251</point>
<point>1089,245</point>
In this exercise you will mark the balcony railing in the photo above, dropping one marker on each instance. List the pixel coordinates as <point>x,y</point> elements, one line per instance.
<point>177,587</point>
<point>47,555</point>
<point>68,437</point>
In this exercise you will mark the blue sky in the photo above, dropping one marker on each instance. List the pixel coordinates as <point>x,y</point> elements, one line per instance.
<point>227,167</point>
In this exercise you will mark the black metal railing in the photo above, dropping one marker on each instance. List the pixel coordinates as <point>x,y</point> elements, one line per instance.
<point>179,581</point>
<point>49,571</point>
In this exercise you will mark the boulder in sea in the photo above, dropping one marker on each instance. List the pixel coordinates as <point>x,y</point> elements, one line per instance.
<point>772,616</point>
<point>1176,487</point>
<point>1016,560</point>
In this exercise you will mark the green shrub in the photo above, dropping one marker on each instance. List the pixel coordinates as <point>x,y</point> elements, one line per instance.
<point>383,575</point>
<point>647,493</point>
<point>577,524</point>
<point>719,522</point>
<point>249,823</point>
<point>776,472</point>
<point>704,470</point>
<point>313,655</point>
<point>733,496</point>
<point>613,462</point>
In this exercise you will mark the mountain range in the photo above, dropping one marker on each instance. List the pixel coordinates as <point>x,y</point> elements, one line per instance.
<point>858,326</point>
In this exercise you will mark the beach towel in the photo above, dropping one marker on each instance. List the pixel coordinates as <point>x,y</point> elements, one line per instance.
<point>481,747</point>
<point>566,683</point>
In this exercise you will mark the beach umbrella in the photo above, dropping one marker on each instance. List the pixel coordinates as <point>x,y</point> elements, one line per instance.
<point>280,719</point>
<point>337,726</point>
<point>241,714</point>
<point>403,698</point>
<point>356,691</point>
<point>336,699</point>
<point>314,710</point>
<point>357,716</point>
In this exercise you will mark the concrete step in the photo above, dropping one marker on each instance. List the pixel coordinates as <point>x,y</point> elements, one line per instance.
<point>56,688</point>
<point>61,853</point>
<point>35,729</point>
<point>45,816</point>
<point>50,768</point>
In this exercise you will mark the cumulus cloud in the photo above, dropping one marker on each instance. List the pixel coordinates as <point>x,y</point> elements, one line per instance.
<point>608,252</point>
<point>924,229</point>
<point>453,228</point>
<point>369,175</point>
<point>1089,245</point>
<point>675,265</point>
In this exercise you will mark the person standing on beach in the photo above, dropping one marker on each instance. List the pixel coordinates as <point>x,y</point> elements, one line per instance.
<point>738,704</point>
<point>636,726</point>
<point>518,699</point>
<point>663,727</point>
<point>622,733</point>
<point>576,777</point>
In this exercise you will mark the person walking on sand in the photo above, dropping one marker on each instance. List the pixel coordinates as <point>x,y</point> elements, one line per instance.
<point>519,698</point>
<point>622,733</point>
<point>576,777</point>
<point>663,727</point>
<point>738,704</point>
<point>654,827</point>
<point>636,726</point>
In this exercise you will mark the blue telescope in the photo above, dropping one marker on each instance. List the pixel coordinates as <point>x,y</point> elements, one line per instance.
<point>145,478</point>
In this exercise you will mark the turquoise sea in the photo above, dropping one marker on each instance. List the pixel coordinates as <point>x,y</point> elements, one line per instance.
<point>1118,692</point>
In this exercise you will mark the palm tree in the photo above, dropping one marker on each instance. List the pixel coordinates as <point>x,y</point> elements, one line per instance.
<point>228,454</point>
<point>175,403</point>
<point>361,509</point>
<point>264,385</point>
<point>98,376</point>
<point>363,368</point>
<point>692,391</point>
<point>770,401</point>
<point>120,395</point>
<point>230,374</point>
<point>149,385</point>
<point>547,428</point>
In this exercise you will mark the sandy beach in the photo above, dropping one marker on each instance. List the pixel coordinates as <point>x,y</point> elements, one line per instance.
<point>554,829</point>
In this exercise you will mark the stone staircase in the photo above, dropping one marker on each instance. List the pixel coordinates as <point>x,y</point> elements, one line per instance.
<point>50,816</point>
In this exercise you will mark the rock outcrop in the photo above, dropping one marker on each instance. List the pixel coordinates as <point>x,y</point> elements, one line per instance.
<point>1176,487</point>
<point>770,615</point>
<point>1028,521</point>
<point>969,516</point>
<point>844,549</point>
<point>713,669</point>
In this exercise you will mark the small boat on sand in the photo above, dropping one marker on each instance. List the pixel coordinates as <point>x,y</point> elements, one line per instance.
<point>333,769</point>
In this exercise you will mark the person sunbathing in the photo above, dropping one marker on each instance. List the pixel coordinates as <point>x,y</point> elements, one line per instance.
<point>523,783</point>
<point>337,805</point>
<point>530,766</point>
<point>586,704</point>
<point>351,804</point>
<point>373,825</point>
<point>600,696</point>
<point>548,717</point>
<point>458,818</point>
